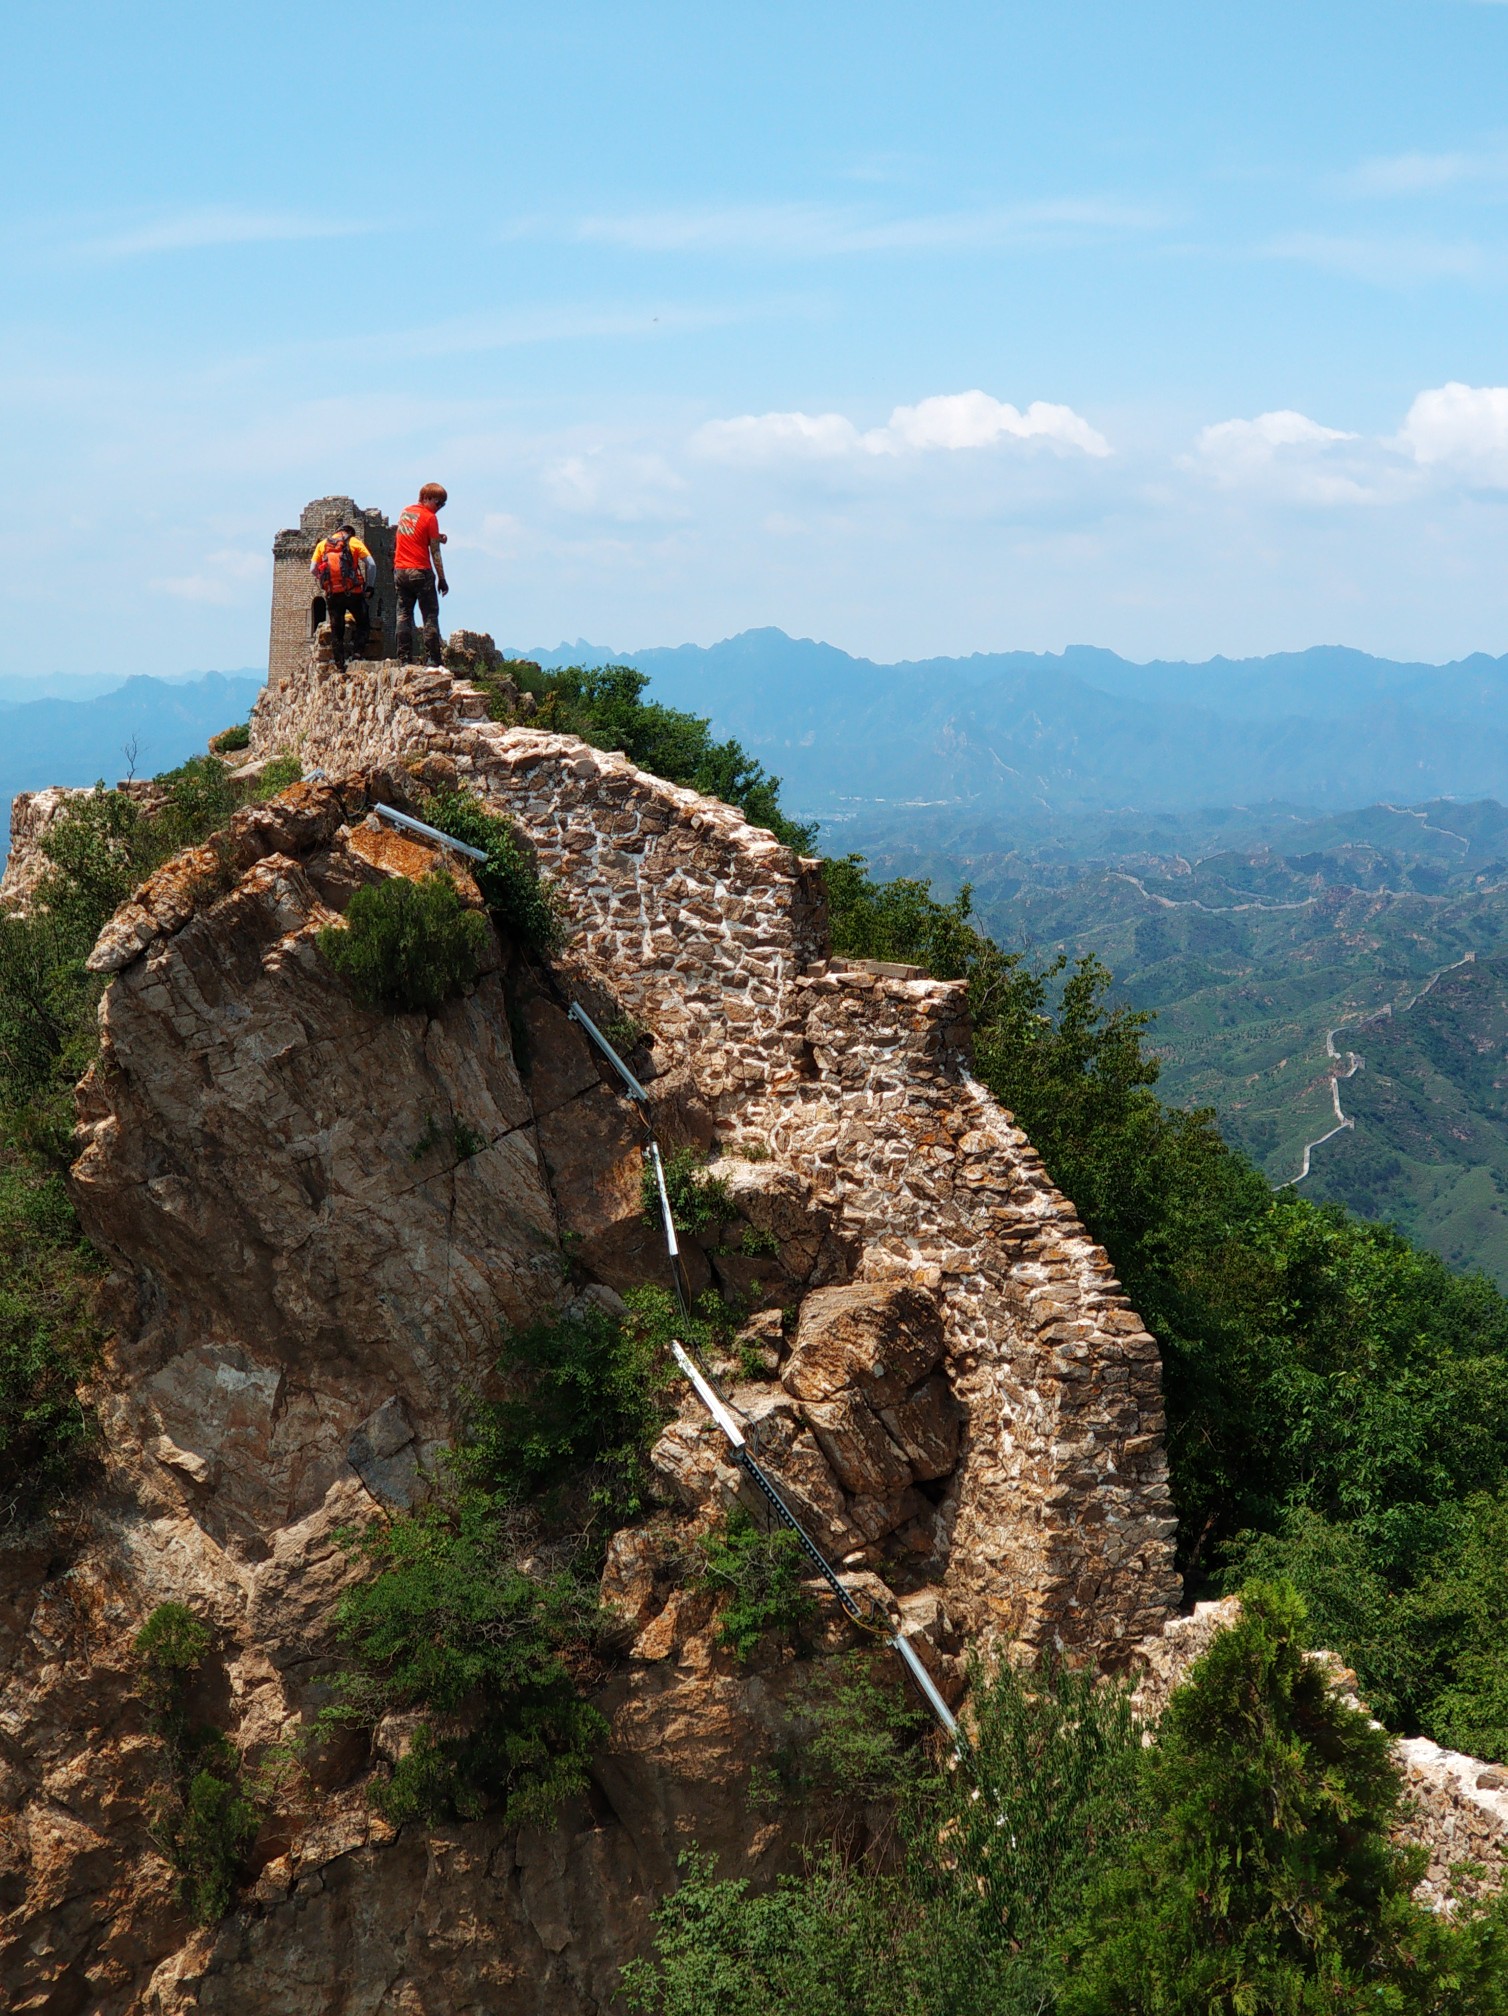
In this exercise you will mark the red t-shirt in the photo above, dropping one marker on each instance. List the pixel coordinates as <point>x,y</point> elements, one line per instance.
<point>416,529</point>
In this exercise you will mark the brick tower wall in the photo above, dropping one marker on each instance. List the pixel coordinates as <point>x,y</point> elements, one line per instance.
<point>297,606</point>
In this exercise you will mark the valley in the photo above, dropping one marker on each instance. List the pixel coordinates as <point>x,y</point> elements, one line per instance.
<point>1273,950</point>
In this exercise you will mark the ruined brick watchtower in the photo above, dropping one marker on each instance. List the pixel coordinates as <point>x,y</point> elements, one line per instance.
<point>298,608</point>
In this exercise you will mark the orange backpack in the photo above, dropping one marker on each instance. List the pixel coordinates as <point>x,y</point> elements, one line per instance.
<point>339,569</point>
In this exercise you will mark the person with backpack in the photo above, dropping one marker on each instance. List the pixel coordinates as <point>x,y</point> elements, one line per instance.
<point>419,572</point>
<point>345,570</point>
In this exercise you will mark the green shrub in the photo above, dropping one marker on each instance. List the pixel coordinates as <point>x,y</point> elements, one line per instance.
<point>277,774</point>
<point>449,1628</point>
<point>203,1819</point>
<point>173,1642</point>
<point>407,946</point>
<point>511,887</point>
<point>201,796</point>
<point>698,1202</point>
<point>1264,1876</point>
<point>856,1731</point>
<point>49,1341</point>
<point>761,1575</point>
<point>211,1832</point>
<point>961,1919</point>
<point>586,1401</point>
<point>229,740</point>
<point>1240,1866</point>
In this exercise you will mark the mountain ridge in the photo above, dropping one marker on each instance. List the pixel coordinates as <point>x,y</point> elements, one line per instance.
<point>1033,734</point>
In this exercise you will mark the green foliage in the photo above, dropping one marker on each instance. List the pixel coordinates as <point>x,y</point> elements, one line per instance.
<point>510,883</point>
<point>171,1646</point>
<point>585,1401</point>
<point>901,921</point>
<point>277,774</point>
<point>229,740</point>
<point>201,796</point>
<point>468,1140</point>
<point>407,946</point>
<point>605,707</point>
<point>49,1341</point>
<point>761,1574</point>
<point>450,1628</point>
<point>698,1202</point>
<point>1240,1866</point>
<point>856,1732</point>
<point>203,1819</point>
<point>1427,1633</point>
<point>208,1836</point>
<point>960,1922</point>
<point>1264,1877</point>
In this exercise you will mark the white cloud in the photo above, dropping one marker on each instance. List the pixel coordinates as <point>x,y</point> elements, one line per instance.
<point>1412,174</point>
<point>198,230</point>
<point>946,421</point>
<point>1383,261</point>
<point>1260,439</point>
<point>1286,454</point>
<point>819,230</point>
<point>622,484</point>
<point>1462,430</point>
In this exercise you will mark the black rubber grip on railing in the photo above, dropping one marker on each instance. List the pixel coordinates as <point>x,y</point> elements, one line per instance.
<point>792,1524</point>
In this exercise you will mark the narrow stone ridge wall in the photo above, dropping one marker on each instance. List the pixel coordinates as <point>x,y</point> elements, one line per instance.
<point>715,936</point>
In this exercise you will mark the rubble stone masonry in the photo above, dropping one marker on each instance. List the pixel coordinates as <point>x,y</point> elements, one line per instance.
<point>858,1080</point>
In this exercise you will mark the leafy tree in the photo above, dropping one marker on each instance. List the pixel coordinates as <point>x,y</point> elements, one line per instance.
<point>508,879</point>
<point>760,1573</point>
<point>1264,1877</point>
<point>405,945</point>
<point>450,1627</point>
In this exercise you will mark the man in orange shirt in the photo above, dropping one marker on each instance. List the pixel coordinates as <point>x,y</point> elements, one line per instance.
<point>419,572</point>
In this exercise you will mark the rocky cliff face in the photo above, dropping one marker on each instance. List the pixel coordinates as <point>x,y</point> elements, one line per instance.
<point>319,1219</point>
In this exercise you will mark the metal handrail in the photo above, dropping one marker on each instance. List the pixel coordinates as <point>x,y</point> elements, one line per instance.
<point>429,832</point>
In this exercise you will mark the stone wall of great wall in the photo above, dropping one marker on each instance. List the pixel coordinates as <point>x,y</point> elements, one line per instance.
<point>858,1082</point>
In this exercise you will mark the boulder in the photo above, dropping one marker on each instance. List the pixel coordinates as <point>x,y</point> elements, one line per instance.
<point>878,1337</point>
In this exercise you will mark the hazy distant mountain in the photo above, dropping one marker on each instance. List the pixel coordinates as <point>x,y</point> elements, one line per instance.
<point>59,741</point>
<point>1028,734</point>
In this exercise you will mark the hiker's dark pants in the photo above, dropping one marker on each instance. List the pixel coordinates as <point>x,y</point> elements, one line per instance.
<point>417,584</point>
<point>336,607</point>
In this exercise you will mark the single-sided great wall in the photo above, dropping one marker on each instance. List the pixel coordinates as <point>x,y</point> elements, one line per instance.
<point>941,1370</point>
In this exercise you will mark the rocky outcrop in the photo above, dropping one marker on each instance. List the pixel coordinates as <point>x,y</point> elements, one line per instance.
<point>1057,1524</point>
<point>319,1220</point>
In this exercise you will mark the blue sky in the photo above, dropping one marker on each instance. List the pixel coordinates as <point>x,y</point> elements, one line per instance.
<point>1174,328</point>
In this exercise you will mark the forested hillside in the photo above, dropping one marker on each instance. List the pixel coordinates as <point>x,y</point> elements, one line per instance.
<point>1252,937</point>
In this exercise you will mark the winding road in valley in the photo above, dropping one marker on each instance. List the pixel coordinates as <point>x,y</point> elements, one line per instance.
<point>1354,1063</point>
